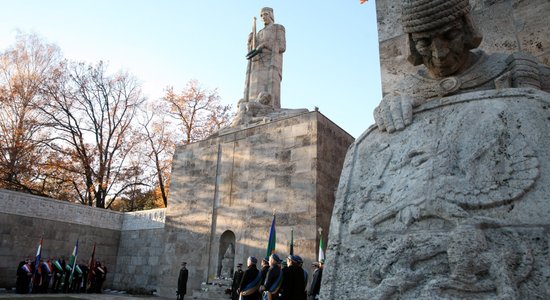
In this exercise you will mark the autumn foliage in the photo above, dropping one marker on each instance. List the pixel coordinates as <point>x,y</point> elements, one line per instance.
<point>78,132</point>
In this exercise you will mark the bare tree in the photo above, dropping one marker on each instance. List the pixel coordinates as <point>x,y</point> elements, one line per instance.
<point>160,137</point>
<point>91,113</point>
<point>24,68</point>
<point>198,111</point>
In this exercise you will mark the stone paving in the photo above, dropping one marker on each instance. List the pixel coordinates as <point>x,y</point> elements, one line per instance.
<point>114,295</point>
<point>213,292</point>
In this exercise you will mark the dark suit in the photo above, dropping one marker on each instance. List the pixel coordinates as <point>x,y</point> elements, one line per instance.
<point>315,283</point>
<point>250,275</point>
<point>271,280</point>
<point>237,277</point>
<point>264,273</point>
<point>182,282</point>
<point>294,283</point>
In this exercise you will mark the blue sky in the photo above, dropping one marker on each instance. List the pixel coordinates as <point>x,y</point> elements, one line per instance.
<point>331,59</point>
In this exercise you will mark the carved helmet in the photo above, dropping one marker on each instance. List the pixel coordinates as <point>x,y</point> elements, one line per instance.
<point>426,15</point>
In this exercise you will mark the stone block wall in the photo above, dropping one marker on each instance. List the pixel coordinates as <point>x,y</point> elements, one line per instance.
<point>507,26</point>
<point>138,259</point>
<point>224,192</point>
<point>25,218</point>
<point>229,186</point>
<point>140,247</point>
<point>331,148</point>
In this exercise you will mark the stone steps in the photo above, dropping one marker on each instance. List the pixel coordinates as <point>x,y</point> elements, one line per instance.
<point>214,290</point>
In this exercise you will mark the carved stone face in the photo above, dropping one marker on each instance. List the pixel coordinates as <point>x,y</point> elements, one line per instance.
<point>443,50</point>
<point>266,17</point>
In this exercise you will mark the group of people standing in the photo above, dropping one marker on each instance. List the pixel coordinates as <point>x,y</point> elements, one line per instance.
<point>58,276</point>
<point>276,280</point>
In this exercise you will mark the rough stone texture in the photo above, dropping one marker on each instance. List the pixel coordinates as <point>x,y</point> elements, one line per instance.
<point>507,26</point>
<point>130,244</point>
<point>233,182</point>
<point>25,218</point>
<point>146,219</point>
<point>138,259</point>
<point>452,207</point>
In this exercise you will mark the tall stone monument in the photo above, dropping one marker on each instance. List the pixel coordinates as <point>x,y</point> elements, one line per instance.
<point>446,198</point>
<point>262,92</point>
<point>225,189</point>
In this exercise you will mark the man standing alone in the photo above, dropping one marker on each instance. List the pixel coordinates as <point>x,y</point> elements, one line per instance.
<point>315,286</point>
<point>182,281</point>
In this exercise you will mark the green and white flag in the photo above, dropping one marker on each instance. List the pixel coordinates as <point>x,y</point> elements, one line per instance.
<point>321,253</point>
<point>72,260</point>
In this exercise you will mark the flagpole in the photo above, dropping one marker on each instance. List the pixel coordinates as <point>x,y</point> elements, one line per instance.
<point>321,253</point>
<point>73,261</point>
<point>291,241</point>
<point>272,240</point>
<point>36,263</point>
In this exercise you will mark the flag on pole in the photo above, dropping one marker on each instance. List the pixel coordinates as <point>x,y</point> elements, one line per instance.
<point>38,254</point>
<point>321,253</point>
<point>72,260</point>
<point>272,239</point>
<point>91,266</point>
<point>37,262</point>
<point>291,242</point>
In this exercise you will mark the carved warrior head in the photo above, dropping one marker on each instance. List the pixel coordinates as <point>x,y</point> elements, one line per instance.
<point>420,16</point>
<point>269,10</point>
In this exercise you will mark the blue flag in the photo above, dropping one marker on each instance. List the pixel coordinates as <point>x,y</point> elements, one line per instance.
<point>272,240</point>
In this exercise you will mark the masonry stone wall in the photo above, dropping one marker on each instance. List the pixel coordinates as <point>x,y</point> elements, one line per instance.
<point>128,243</point>
<point>228,185</point>
<point>507,26</point>
<point>25,218</point>
<point>234,182</point>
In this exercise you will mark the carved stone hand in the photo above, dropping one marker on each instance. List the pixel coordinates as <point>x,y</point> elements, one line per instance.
<point>393,113</point>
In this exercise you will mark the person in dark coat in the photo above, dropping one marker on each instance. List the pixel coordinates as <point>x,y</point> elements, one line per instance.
<point>315,286</point>
<point>182,281</point>
<point>248,288</point>
<point>294,280</point>
<point>100,271</point>
<point>24,275</point>
<point>273,279</point>
<point>265,268</point>
<point>59,267</point>
<point>237,277</point>
<point>83,284</point>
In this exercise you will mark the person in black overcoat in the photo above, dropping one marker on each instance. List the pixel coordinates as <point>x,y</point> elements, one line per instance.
<point>294,280</point>
<point>182,281</point>
<point>248,288</point>
<point>237,277</point>
<point>273,278</point>
<point>315,281</point>
<point>265,268</point>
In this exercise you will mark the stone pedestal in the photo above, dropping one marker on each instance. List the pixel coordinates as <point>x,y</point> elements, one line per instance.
<point>455,206</point>
<point>224,191</point>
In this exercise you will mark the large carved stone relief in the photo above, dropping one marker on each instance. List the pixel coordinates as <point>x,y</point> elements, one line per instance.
<point>445,207</point>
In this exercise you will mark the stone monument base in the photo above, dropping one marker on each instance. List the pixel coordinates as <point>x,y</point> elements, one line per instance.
<point>455,206</point>
<point>224,191</point>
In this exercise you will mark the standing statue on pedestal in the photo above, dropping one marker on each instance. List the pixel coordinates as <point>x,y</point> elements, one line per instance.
<point>265,55</point>
<point>262,93</point>
<point>447,197</point>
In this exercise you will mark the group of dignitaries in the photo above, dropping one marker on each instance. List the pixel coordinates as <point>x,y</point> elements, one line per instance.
<point>58,276</point>
<point>276,280</point>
